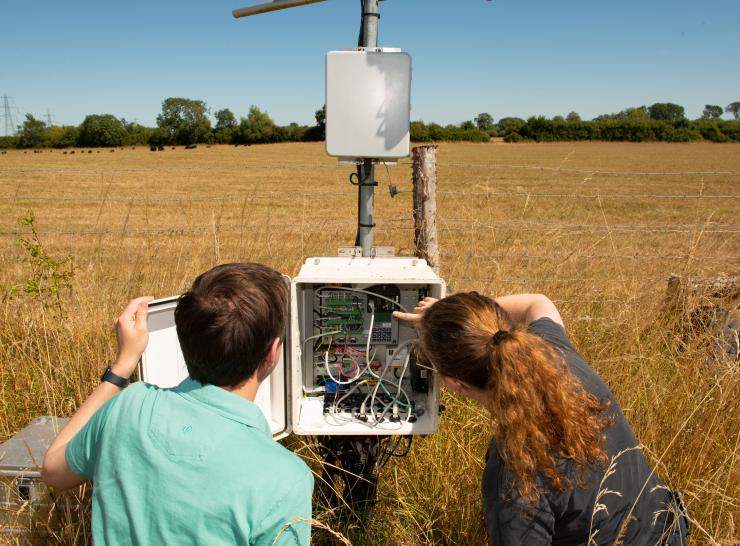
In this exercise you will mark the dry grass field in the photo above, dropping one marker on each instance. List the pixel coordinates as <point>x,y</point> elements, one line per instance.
<point>598,227</point>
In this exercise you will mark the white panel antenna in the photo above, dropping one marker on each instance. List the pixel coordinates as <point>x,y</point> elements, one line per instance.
<point>368,101</point>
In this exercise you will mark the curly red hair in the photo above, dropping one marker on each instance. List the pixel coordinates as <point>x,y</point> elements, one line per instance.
<point>540,411</point>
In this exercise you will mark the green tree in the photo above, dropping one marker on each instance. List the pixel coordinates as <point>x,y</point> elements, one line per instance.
<point>437,132</point>
<point>32,133</point>
<point>637,113</point>
<point>510,125</point>
<point>418,131</point>
<point>184,121</point>
<point>709,129</point>
<point>8,142</point>
<point>734,109</point>
<point>573,117</point>
<point>712,111</point>
<point>666,111</point>
<point>318,131</point>
<point>257,127</point>
<point>320,117</point>
<point>467,125</point>
<point>137,133</point>
<point>225,126</point>
<point>102,130</point>
<point>293,132</point>
<point>62,136</point>
<point>225,119</point>
<point>484,122</point>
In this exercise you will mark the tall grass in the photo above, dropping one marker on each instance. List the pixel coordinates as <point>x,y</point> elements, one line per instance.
<point>136,223</point>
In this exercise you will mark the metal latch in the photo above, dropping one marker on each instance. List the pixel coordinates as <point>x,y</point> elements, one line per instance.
<point>375,252</point>
<point>25,487</point>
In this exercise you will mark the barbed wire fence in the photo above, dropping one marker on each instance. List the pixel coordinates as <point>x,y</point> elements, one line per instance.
<point>492,260</point>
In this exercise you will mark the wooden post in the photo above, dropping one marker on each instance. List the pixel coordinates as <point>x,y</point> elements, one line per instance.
<point>425,205</point>
<point>711,306</point>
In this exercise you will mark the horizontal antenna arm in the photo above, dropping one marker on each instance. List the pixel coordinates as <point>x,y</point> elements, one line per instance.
<point>271,6</point>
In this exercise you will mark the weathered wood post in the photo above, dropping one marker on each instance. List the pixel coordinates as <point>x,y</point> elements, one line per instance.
<point>711,307</point>
<point>425,204</point>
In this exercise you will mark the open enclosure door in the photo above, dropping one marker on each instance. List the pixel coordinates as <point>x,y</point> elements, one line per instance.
<point>163,365</point>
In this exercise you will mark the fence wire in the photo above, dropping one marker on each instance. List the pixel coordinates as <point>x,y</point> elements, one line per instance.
<point>402,163</point>
<point>247,196</point>
<point>460,218</point>
<point>574,229</point>
<point>594,171</point>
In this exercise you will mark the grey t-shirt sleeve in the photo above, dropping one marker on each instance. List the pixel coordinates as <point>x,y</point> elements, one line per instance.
<point>551,331</point>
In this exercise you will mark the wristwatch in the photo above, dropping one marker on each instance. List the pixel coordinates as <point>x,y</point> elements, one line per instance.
<point>117,380</point>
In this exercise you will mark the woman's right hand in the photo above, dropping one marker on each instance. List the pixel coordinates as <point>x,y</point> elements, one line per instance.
<point>418,311</point>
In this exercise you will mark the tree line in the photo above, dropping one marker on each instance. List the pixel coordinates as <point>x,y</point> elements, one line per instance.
<point>181,122</point>
<point>185,122</point>
<point>663,122</point>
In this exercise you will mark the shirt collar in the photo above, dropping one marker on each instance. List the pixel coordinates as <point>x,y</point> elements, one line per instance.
<point>227,404</point>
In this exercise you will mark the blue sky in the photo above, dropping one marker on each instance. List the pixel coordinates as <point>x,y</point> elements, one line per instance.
<point>505,57</point>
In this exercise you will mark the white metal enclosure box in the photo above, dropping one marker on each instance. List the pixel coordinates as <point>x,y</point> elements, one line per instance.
<point>369,384</point>
<point>368,103</point>
<point>348,366</point>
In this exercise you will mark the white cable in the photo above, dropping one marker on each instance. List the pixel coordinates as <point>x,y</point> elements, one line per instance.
<point>359,371</point>
<point>399,425</point>
<point>367,368</point>
<point>321,335</point>
<point>382,373</point>
<point>395,401</point>
<point>350,391</point>
<point>398,390</point>
<point>341,420</point>
<point>371,396</point>
<point>313,390</point>
<point>370,336</point>
<point>338,417</point>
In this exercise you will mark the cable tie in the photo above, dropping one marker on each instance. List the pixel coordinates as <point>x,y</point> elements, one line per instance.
<point>366,225</point>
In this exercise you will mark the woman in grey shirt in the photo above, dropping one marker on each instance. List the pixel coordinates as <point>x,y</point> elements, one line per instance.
<point>564,466</point>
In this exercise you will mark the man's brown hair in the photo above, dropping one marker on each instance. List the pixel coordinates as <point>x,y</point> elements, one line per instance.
<point>227,321</point>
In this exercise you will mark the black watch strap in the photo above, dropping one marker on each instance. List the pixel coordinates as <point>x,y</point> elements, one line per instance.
<point>117,380</point>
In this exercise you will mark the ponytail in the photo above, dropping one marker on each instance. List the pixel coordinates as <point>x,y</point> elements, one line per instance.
<point>539,409</point>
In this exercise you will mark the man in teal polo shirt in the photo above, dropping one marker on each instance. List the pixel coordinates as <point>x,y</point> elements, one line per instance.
<point>195,464</point>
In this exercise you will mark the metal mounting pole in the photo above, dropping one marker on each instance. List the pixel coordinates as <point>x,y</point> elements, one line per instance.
<point>366,171</point>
